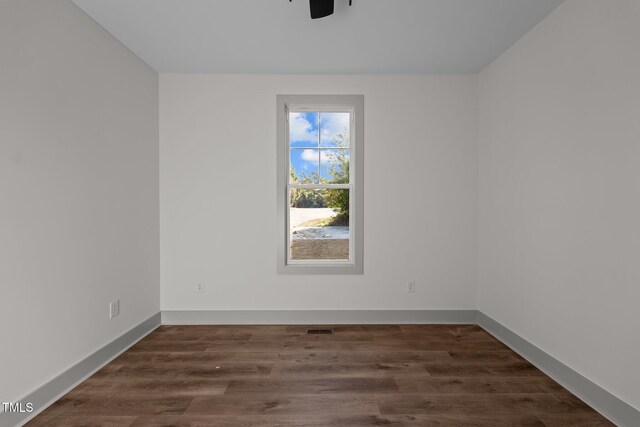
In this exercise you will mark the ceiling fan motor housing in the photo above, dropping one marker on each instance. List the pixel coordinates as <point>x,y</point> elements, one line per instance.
<point>320,8</point>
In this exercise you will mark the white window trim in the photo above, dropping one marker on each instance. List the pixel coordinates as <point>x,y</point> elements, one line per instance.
<point>355,105</point>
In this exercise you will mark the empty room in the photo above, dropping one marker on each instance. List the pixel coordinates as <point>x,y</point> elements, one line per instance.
<point>320,213</point>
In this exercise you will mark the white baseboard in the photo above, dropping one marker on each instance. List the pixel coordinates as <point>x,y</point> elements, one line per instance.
<point>616,410</point>
<point>316,317</point>
<point>51,391</point>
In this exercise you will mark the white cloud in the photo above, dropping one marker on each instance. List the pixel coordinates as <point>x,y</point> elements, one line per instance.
<point>300,129</point>
<point>332,124</point>
<point>311,156</point>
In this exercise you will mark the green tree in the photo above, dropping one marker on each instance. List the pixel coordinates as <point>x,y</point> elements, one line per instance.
<point>338,199</point>
<point>306,198</point>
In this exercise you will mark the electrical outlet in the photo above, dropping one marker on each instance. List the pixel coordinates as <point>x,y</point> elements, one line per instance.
<point>114,309</point>
<point>200,288</point>
<point>411,286</point>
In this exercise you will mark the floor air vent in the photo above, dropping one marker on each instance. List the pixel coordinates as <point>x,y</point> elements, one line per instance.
<point>320,331</point>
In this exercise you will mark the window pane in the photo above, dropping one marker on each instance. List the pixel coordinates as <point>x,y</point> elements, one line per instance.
<point>303,129</point>
<point>334,166</point>
<point>304,166</point>
<point>319,224</point>
<point>334,130</point>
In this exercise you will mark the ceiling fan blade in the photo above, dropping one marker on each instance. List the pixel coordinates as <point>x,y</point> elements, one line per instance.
<point>320,8</point>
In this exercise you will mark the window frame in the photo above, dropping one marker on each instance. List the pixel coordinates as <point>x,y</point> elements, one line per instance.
<point>353,104</point>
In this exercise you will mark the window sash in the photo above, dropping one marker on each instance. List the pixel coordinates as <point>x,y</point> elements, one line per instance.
<point>320,262</point>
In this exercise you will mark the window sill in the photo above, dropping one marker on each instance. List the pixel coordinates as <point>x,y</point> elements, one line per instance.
<point>319,269</point>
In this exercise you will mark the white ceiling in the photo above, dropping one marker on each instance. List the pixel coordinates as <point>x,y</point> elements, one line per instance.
<point>276,36</point>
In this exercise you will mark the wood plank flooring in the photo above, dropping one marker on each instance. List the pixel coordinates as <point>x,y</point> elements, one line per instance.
<point>362,375</point>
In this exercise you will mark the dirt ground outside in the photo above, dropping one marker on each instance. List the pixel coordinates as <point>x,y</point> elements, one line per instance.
<point>320,249</point>
<point>316,242</point>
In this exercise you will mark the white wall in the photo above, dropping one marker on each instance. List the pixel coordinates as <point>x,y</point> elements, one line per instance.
<point>558,232</point>
<point>78,190</point>
<point>560,190</point>
<point>218,187</point>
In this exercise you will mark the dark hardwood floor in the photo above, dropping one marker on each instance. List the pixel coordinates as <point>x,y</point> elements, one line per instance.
<point>396,375</point>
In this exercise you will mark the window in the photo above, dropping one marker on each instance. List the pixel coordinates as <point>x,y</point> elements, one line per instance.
<point>320,144</point>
